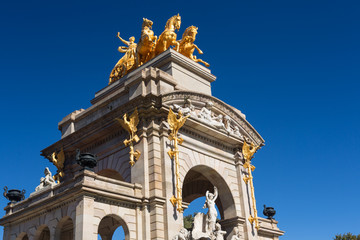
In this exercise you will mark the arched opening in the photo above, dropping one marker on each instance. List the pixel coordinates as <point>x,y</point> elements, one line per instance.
<point>113,227</point>
<point>43,233</point>
<point>111,173</point>
<point>22,236</point>
<point>200,179</point>
<point>65,229</point>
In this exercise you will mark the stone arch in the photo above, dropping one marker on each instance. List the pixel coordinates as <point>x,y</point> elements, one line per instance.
<point>111,173</point>
<point>117,162</point>
<point>201,178</point>
<point>109,224</point>
<point>22,236</point>
<point>42,233</point>
<point>65,229</point>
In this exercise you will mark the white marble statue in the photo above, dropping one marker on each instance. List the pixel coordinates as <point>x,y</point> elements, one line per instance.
<point>211,215</point>
<point>187,109</point>
<point>205,115</point>
<point>237,132</point>
<point>227,123</point>
<point>218,234</point>
<point>184,234</point>
<point>237,235</point>
<point>204,226</point>
<point>46,181</point>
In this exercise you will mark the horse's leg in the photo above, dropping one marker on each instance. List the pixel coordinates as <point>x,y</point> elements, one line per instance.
<point>177,45</point>
<point>137,59</point>
<point>200,52</point>
<point>164,46</point>
<point>205,63</point>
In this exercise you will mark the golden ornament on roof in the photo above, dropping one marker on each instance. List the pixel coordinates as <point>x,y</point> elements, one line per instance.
<point>187,45</point>
<point>168,36</point>
<point>150,46</point>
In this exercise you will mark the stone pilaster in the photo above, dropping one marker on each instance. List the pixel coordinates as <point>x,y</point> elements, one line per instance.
<point>84,221</point>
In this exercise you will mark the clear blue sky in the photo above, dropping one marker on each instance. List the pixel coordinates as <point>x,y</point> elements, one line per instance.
<point>291,66</point>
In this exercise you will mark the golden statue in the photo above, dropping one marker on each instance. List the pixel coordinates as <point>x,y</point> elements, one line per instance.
<point>168,37</point>
<point>248,152</point>
<point>176,122</point>
<point>127,62</point>
<point>130,126</point>
<point>187,45</point>
<point>150,46</point>
<point>58,160</point>
<point>146,46</point>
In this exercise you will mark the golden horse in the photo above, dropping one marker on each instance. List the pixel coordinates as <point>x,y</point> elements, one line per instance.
<point>146,46</point>
<point>187,45</point>
<point>168,37</point>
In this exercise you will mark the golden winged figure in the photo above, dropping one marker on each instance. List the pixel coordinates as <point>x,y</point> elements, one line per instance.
<point>130,125</point>
<point>249,150</point>
<point>58,160</point>
<point>176,121</point>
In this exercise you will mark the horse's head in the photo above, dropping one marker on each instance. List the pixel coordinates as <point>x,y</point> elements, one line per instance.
<point>190,32</point>
<point>177,22</point>
<point>147,23</point>
<point>173,22</point>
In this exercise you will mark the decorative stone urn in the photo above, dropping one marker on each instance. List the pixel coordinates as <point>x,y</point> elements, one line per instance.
<point>269,212</point>
<point>86,160</point>
<point>14,195</point>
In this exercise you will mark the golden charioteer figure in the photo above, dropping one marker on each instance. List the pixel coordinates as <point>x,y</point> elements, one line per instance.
<point>149,46</point>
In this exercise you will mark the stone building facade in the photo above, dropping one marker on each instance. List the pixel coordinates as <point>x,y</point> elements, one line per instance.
<point>88,203</point>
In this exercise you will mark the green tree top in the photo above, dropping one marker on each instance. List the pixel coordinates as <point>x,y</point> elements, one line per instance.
<point>347,236</point>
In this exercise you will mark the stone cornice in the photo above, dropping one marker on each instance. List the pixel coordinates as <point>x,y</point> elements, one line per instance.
<point>83,184</point>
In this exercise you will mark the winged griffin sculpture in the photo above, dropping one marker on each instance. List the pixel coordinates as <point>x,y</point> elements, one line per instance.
<point>176,122</point>
<point>58,160</point>
<point>129,124</point>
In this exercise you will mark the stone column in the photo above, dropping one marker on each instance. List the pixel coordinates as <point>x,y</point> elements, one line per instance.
<point>84,221</point>
<point>6,235</point>
<point>250,232</point>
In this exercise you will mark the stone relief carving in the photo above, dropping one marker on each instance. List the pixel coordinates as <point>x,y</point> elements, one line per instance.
<point>235,114</point>
<point>207,116</point>
<point>187,109</point>
<point>48,180</point>
<point>184,234</point>
<point>237,235</point>
<point>218,233</point>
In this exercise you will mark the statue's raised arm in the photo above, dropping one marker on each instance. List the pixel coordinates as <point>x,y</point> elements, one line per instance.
<point>215,193</point>
<point>124,41</point>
